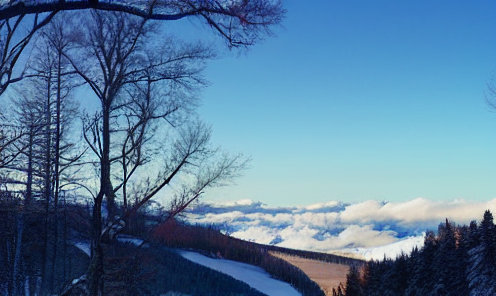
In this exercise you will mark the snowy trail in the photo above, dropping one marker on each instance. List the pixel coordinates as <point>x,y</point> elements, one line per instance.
<point>254,276</point>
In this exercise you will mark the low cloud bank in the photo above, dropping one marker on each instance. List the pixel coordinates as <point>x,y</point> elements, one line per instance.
<point>334,226</point>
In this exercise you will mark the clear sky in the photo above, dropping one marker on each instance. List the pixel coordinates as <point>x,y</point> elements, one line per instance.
<point>358,100</point>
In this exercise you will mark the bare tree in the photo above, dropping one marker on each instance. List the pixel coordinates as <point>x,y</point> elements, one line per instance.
<point>13,41</point>
<point>141,87</point>
<point>241,23</point>
<point>45,151</point>
<point>123,77</point>
<point>9,135</point>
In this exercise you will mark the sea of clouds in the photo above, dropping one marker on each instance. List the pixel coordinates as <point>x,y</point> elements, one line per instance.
<point>370,228</point>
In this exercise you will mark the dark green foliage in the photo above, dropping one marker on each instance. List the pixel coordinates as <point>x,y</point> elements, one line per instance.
<point>481,273</point>
<point>353,283</point>
<point>372,278</point>
<point>458,261</point>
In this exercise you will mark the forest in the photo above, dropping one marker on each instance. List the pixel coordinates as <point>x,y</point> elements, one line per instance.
<point>45,260</point>
<point>455,260</point>
<point>98,116</point>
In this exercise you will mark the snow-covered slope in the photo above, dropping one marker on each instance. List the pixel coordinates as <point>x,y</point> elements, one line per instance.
<point>390,251</point>
<point>254,276</point>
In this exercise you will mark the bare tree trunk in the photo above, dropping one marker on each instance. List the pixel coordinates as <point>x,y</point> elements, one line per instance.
<point>48,143</point>
<point>56,177</point>
<point>95,270</point>
<point>17,257</point>
<point>47,278</point>
<point>37,290</point>
<point>29,185</point>
<point>44,262</point>
<point>26,286</point>
<point>105,182</point>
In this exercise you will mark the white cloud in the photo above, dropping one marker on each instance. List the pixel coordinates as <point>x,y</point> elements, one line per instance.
<point>322,205</point>
<point>365,236</point>
<point>336,226</point>
<point>261,234</point>
<point>414,211</point>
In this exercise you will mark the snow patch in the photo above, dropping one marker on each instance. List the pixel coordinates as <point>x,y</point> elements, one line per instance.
<point>83,246</point>
<point>254,276</point>
<point>130,239</point>
<point>389,251</point>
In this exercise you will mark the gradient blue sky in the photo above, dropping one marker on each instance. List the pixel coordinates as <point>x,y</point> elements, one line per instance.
<point>358,100</point>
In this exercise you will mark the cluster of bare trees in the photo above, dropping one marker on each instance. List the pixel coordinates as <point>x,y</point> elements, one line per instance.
<point>141,138</point>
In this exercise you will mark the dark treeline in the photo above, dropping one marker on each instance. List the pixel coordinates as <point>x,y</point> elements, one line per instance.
<point>459,260</point>
<point>324,257</point>
<point>38,255</point>
<point>213,243</point>
<point>159,270</point>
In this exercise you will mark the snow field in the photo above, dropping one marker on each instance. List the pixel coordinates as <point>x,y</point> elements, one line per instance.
<point>254,276</point>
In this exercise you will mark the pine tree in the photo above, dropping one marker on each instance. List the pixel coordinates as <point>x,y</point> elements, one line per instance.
<point>413,260</point>
<point>481,273</point>
<point>461,234</point>
<point>423,273</point>
<point>445,261</point>
<point>372,283</point>
<point>353,283</point>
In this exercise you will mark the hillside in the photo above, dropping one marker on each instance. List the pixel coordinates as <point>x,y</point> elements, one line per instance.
<point>132,270</point>
<point>327,275</point>
<point>254,276</point>
<point>213,243</point>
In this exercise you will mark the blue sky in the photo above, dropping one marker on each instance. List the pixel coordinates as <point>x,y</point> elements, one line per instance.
<point>358,100</point>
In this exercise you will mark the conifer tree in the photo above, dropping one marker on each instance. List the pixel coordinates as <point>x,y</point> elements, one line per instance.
<point>462,258</point>
<point>445,261</point>
<point>481,273</point>
<point>353,283</point>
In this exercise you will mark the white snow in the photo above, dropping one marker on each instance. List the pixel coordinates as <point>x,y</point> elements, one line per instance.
<point>390,251</point>
<point>254,276</point>
<point>83,246</point>
<point>130,239</point>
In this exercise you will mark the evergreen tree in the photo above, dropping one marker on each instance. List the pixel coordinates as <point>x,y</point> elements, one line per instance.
<point>372,283</point>
<point>458,261</point>
<point>401,274</point>
<point>413,260</point>
<point>462,234</point>
<point>481,273</point>
<point>445,261</point>
<point>353,283</point>
<point>422,278</point>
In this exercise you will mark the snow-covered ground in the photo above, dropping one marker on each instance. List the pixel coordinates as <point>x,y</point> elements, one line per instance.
<point>390,251</point>
<point>254,276</point>
<point>130,239</point>
<point>83,246</point>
